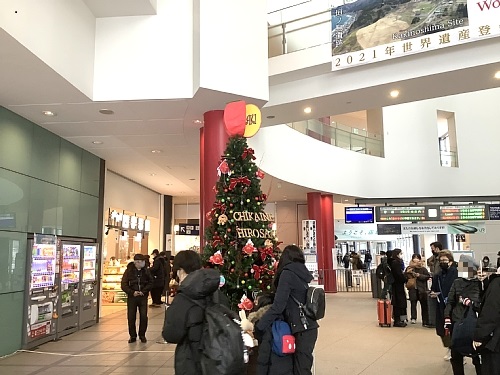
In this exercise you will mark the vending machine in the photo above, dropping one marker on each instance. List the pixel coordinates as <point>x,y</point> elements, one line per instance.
<point>69,304</point>
<point>42,294</point>
<point>89,293</point>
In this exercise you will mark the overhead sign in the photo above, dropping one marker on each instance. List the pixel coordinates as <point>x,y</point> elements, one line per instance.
<point>189,229</point>
<point>468,212</point>
<point>442,228</point>
<point>411,213</point>
<point>371,31</point>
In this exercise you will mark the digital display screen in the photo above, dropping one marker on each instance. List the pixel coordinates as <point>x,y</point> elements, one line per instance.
<point>408,213</point>
<point>468,212</point>
<point>388,229</point>
<point>359,215</point>
<point>494,211</point>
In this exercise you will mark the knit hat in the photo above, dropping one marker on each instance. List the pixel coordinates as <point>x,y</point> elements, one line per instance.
<point>471,262</point>
<point>138,257</point>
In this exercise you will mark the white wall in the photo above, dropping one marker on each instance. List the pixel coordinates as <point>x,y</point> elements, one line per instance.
<point>411,167</point>
<point>233,47</point>
<point>146,57</point>
<point>59,32</point>
<point>120,193</point>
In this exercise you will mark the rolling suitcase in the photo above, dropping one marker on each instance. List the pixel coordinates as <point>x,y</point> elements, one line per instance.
<point>384,309</point>
<point>431,306</point>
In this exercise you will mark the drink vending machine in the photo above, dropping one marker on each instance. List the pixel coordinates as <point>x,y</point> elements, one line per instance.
<point>62,294</point>
<point>89,293</point>
<point>79,294</point>
<point>42,293</point>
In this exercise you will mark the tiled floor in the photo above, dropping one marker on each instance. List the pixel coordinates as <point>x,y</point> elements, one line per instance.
<point>350,343</point>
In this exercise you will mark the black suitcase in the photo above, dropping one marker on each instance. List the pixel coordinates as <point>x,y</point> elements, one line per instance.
<point>431,306</point>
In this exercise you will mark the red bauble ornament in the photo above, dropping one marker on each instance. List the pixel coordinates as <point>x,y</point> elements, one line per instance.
<point>256,198</point>
<point>229,229</point>
<point>246,274</point>
<point>225,190</point>
<point>246,303</point>
<point>217,258</point>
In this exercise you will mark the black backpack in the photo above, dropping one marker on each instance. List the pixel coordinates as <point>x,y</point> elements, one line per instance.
<point>314,308</point>
<point>222,350</point>
<point>383,269</point>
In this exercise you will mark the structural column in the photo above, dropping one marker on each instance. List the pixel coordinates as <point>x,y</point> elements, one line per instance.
<point>213,141</point>
<point>321,209</point>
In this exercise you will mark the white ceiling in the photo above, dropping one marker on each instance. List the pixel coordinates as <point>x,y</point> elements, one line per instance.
<point>121,8</point>
<point>136,128</point>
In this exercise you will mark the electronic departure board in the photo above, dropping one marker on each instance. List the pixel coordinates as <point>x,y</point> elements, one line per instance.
<point>494,211</point>
<point>408,213</point>
<point>468,212</point>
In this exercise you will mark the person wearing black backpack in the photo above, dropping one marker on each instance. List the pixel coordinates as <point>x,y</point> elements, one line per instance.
<point>465,295</point>
<point>291,281</point>
<point>186,317</point>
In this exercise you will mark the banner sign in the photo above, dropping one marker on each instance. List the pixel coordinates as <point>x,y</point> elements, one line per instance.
<point>365,31</point>
<point>444,228</point>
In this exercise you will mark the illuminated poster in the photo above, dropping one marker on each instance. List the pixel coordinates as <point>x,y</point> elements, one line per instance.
<point>365,31</point>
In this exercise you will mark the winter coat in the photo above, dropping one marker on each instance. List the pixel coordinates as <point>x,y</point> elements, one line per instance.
<point>184,319</point>
<point>488,323</point>
<point>416,266</point>
<point>268,363</point>
<point>134,280</point>
<point>398,286</point>
<point>356,262</point>
<point>158,272</point>
<point>433,264</point>
<point>293,281</point>
<point>462,288</point>
<point>442,283</point>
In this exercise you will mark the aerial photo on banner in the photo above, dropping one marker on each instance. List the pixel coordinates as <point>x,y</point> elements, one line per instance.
<point>365,31</point>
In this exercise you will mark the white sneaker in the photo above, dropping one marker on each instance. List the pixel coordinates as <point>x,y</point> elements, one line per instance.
<point>447,357</point>
<point>414,321</point>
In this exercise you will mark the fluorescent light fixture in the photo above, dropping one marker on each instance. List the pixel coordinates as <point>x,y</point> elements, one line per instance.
<point>97,142</point>
<point>307,110</point>
<point>497,75</point>
<point>394,93</point>
<point>155,151</point>
<point>197,121</point>
<point>49,113</point>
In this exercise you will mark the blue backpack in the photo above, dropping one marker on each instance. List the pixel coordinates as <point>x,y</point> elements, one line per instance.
<point>283,340</point>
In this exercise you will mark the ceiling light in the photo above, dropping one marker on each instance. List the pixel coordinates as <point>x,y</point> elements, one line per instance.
<point>168,184</point>
<point>97,142</point>
<point>197,121</point>
<point>346,200</point>
<point>192,179</point>
<point>155,151</point>
<point>271,117</point>
<point>307,110</point>
<point>106,111</point>
<point>394,93</point>
<point>497,75</point>
<point>152,174</point>
<point>49,113</point>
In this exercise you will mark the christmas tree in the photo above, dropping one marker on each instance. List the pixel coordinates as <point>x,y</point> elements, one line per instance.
<point>240,241</point>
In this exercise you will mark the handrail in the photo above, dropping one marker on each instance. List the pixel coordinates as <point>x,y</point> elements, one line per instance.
<point>349,140</point>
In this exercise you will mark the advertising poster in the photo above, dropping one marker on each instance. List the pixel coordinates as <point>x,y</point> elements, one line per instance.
<point>365,31</point>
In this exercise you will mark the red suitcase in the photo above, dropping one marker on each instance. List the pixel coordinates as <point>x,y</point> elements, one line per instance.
<point>384,309</point>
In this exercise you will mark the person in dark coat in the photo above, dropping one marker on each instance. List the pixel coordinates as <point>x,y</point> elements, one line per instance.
<point>487,333</point>
<point>292,279</point>
<point>264,361</point>
<point>465,291</point>
<point>398,297</point>
<point>417,290</point>
<point>184,318</point>
<point>441,286</point>
<point>136,283</point>
<point>158,272</point>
